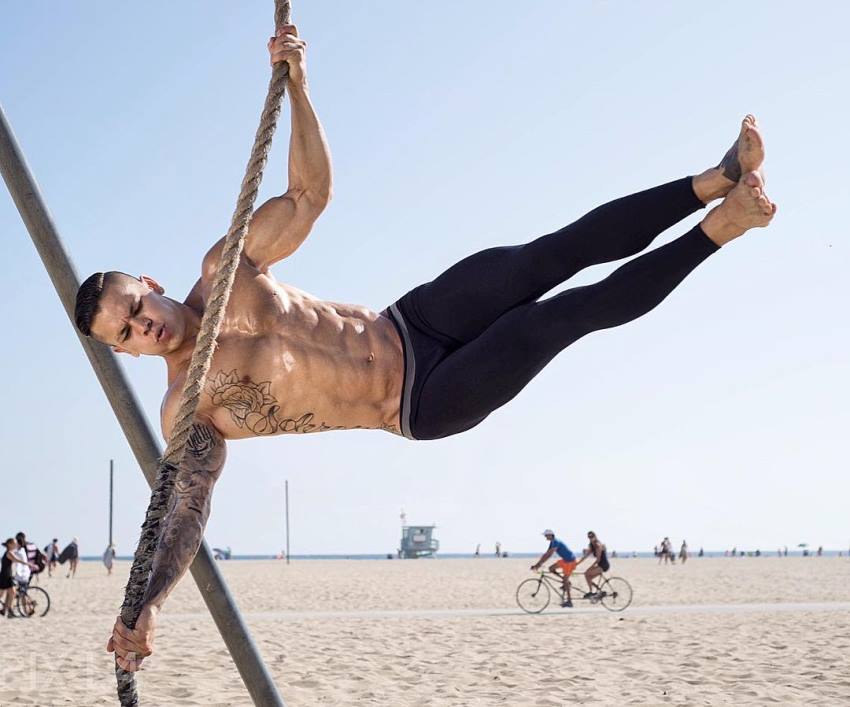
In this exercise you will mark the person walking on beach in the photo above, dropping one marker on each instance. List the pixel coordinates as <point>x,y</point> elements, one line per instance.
<point>108,557</point>
<point>666,554</point>
<point>51,554</point>
<point>478,550</point>
<point>600,564</point>
<point>683,552</point>
<point>498,549</point>
<point>566,563</point>
<point>71,555</point>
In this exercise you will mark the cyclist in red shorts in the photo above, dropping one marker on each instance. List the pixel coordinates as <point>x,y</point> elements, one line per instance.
<point>566,562</point>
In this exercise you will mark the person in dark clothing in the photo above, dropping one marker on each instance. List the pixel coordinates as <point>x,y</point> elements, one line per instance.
<point>7,574</point>
<point>600,564</point>
<point>71,555</point>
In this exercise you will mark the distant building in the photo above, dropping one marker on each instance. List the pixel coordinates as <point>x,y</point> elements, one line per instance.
<point>418,541</point>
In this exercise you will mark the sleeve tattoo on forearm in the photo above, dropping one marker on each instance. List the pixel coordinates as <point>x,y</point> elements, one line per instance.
<point>183,526</point>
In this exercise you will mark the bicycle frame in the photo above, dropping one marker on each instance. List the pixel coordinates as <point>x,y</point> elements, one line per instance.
<point>548,576</point>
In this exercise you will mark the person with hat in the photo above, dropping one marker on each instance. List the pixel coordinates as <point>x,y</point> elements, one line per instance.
<point>566,563</point>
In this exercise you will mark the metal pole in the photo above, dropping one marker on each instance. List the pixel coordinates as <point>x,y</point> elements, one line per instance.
<point>111,470</point>
<point>286,490</point>
<point>144,444</point>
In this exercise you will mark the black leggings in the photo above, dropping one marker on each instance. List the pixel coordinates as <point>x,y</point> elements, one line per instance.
<point>480,332</point>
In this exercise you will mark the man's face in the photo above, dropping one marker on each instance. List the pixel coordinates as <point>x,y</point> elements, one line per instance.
<point>134,317</point>
<point>550,538</point>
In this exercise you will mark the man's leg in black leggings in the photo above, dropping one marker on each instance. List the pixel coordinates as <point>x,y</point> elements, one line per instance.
<point>471,295</point>
<point>488,372</point>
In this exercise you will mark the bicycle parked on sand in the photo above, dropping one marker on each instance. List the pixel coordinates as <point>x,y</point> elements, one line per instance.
<point>30,601</point>
<point>534,594</point>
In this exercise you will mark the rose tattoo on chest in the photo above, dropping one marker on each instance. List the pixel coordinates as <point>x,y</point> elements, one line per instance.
<point>253,407</point>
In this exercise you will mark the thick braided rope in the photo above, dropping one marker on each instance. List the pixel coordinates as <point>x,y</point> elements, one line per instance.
<point>201,359</point>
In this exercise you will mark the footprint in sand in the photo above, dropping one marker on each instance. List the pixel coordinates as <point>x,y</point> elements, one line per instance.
<point>304,683</point>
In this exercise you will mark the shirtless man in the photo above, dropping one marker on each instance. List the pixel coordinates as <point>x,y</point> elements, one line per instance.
<point>435,363</point>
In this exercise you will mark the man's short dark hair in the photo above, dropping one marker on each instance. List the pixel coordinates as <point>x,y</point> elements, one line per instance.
<point>88,299</point>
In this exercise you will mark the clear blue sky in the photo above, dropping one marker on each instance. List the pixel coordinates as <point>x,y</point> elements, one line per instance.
<point>721,417</point>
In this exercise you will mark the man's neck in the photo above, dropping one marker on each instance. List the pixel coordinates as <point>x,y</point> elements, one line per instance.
<point>177,360</point>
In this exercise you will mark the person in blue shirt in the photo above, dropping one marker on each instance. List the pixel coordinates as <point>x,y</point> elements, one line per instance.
<point>566,563</point>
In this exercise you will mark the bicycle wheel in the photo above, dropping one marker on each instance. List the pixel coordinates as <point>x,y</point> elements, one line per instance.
<point>615,593</point>
<point>35,602</point>
<point>533,595</point>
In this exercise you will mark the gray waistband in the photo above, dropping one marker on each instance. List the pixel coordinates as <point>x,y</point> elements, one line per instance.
<point>409,371</point>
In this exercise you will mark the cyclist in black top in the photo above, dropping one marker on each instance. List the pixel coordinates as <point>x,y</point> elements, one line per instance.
<point>600,562</point>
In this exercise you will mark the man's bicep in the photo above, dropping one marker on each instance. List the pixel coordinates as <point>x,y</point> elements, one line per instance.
<point>280,226</point>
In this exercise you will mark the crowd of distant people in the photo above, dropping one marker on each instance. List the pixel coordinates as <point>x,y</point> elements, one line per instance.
<point>665,553</point>
<point>23,560</point>
<point>499,551</point>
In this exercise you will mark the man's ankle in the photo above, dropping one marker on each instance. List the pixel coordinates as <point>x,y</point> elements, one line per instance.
<point>718,228</point>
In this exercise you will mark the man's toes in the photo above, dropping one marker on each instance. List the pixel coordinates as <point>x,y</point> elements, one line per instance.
<point>764,204</point>
<point>755,192</point>
<point>753,136</point>
<point>753,179</point>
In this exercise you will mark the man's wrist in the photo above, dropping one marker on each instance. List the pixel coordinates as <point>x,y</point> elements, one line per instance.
<point>152,608</point>
<point>298,87</point>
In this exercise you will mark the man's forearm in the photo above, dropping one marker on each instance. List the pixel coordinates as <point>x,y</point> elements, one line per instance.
<point>309,154</point>
<point>183,526</point>
<point>184,529</point>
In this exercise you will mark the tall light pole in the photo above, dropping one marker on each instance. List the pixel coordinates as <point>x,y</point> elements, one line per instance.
<point>111,486</point>
<point>286,496</point>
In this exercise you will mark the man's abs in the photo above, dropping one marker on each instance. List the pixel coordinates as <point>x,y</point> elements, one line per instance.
<point>289,363</point>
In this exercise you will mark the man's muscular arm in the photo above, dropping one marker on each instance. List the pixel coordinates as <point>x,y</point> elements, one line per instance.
<point>183,526</point>
<point>183,530</point>
<point>282,223</point>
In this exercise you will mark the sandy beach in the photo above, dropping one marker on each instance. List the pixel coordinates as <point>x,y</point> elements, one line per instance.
<point>743,631</point>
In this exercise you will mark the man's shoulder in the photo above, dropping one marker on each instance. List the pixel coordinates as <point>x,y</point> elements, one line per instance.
<point>212,259</point>
<point>170,406</point>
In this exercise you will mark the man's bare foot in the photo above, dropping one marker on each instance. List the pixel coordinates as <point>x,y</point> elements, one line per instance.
<point>745,207</point>
<point>745,155</point>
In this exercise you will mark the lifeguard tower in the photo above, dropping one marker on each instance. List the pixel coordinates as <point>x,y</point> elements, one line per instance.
<point>417,540</point>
